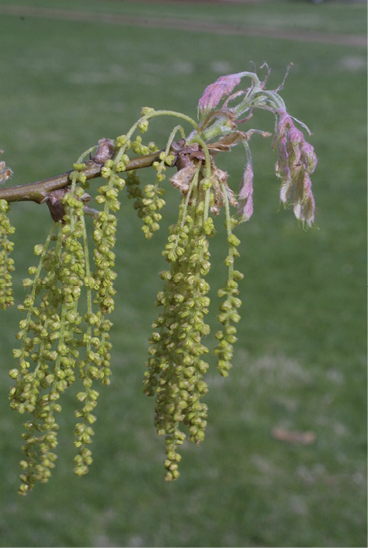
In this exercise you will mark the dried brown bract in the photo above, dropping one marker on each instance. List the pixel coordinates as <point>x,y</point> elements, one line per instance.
<point>105,151</point>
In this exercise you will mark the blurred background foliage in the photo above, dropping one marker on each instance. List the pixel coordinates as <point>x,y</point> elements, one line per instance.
<point>300,361</point>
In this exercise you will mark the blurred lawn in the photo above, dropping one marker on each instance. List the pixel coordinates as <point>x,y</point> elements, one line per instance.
<point>300,360</point>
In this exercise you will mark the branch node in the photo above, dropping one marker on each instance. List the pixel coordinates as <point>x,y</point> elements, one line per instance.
<point>105,151</point>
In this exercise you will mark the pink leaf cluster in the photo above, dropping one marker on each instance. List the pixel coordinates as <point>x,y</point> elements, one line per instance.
<point>213,93</point>
<point>296,162</point>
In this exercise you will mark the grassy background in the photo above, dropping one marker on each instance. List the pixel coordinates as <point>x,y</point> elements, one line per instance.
<point>300,359</point>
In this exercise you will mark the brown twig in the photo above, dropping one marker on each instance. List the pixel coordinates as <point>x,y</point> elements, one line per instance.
<point>38,192</point>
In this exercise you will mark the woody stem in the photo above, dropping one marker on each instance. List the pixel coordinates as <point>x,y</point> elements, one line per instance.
<point>39,191</point>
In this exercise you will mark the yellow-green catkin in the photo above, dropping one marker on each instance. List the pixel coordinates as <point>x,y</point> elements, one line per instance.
<point>77,352</point>
<point>100,293</point>
<point>229,308</point>
<point>38,384</point>
<point>6,262</point>
<point>175,366</point>
<point>148,200</point>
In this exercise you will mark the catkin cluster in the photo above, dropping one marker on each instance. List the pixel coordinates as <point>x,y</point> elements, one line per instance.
<point>60,339</point>
<point>50,337</point>
<point>175,368</point>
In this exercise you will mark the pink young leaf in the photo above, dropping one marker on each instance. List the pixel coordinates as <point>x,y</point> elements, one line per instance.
<point>213,93</point>
<point>245,198</point>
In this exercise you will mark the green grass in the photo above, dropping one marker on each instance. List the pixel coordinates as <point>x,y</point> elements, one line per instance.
<point>294,14</point>
<point>300,360</point>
